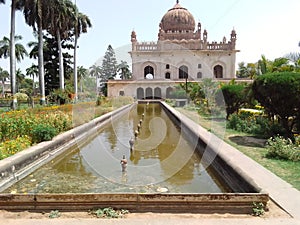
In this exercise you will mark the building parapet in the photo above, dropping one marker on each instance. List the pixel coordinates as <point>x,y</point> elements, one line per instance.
<point>180,45</point>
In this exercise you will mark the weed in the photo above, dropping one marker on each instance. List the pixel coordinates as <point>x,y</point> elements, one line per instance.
<point>258,209</point>
<point>109,213</point>
<point>54,214</point>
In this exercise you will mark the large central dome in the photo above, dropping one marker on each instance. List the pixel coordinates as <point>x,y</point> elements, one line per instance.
<point>178,19</point>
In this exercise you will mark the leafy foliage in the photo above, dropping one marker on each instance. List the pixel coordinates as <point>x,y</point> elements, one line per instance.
<point>43,132</point>
<point>281,148</point>
<point>258,209</point>
<point>234,96</point>
<point>109,213</point>
<point>279,94</point>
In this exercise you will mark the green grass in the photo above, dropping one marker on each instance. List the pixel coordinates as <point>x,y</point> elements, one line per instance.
<point>251,146</point>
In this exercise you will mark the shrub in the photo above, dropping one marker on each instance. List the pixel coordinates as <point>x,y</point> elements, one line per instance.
<point>281,148</point>
<point>43,132</point>
<point>279,94</point>
<point>234,96</point>
<point>254,124</point>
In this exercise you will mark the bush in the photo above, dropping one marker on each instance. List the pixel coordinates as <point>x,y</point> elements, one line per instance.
<point>245,122</point>
<point>279,94</point>
<point>43,132</point>
<point>281,148</point>
<point>234,96</point>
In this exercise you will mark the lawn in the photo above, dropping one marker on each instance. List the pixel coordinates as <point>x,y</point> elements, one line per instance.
<point>251,146</point>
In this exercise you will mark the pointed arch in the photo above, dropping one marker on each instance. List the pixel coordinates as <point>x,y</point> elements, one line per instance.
<point>183,72</point>
<point>218,71</point>
<point>140,93</point>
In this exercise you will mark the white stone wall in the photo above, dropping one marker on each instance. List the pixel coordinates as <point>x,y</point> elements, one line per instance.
<point>191,59</point>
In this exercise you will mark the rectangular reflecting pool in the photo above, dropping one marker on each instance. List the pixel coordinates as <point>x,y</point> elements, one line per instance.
<point>161,160</point>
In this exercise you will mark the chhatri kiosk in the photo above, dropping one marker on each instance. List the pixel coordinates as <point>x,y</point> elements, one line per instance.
<point>181,54</point>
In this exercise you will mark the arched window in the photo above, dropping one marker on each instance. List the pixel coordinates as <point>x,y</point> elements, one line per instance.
<point>168,75</point>
<point>148,72</point>
<point>157,93</point>
<point>168,66</point>
<point>140,93</point>
<point>218,71</point>
<point>169,92</point>
<point>199,75</point>
<point>149,93</point>
<point>183,72</point>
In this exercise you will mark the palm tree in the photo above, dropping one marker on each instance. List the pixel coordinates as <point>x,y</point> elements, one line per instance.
<point>62,17</point>
<point>36,13</point>
<point>19,78</point>
<point>32,72</point>
<point>4,75</point>
<point>20,51</point>
<point>124,68</point>
<point>82,73</point>
<point>95,71</point>
<point>14,6</point>
<point>15,51</point>
<point>82,22</point>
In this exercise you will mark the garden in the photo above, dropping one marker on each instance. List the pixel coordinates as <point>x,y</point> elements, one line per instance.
<point>260,118</point>
<point>23,128</point>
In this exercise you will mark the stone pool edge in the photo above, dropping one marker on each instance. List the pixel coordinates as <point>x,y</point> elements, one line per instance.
<point>281,192</point>
<point>23,163</point>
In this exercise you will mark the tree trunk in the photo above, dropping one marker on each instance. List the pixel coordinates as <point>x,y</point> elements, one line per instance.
<point>61,62</point>
<point>75,67</point>
<point>3,86</point>
<point>41,65</point>
<point>13,54</point>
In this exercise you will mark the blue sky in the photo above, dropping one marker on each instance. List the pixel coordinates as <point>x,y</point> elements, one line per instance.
<point>269,27</point>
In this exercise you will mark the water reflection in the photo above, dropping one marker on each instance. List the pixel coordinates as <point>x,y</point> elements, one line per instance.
<point>161,159</point>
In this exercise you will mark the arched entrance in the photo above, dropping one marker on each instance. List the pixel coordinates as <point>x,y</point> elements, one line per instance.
<point>157,93</point>
<point>169,92</point>
<point>140,93</point>
<point>149,93</point>
<point>183,72</point>
<point>218,71</point>
<point>148,72</point>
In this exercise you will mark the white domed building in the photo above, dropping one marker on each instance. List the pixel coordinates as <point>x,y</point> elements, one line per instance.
<point>181,54</point>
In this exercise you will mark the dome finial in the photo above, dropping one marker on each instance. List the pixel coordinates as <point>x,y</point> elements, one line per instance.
<point>177,1</point>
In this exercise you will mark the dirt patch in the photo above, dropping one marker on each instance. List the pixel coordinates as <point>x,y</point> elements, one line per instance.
<point>248,141</point>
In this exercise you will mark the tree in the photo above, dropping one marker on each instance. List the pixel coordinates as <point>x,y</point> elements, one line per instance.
<point>82,22</point>
<point>36,14</point>
<point>234,96</point>
<point>109,68</point>
<point>279,93</point>
<point>20,51</point>
<point>4,75</point>
<point>125,72</point>
<point>2,1</point>
<point>9,48</point>
<point>62,17</point>
<point>242,70</point>
<point>32,71</point>
<point>109,65</point>
<point>263,65</point>
<point>19,79</point>
<point>51,63</point>
<point>95,71</point>
<point>82,73</point>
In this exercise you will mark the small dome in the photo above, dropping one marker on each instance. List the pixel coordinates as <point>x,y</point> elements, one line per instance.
<point>178,19</point>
